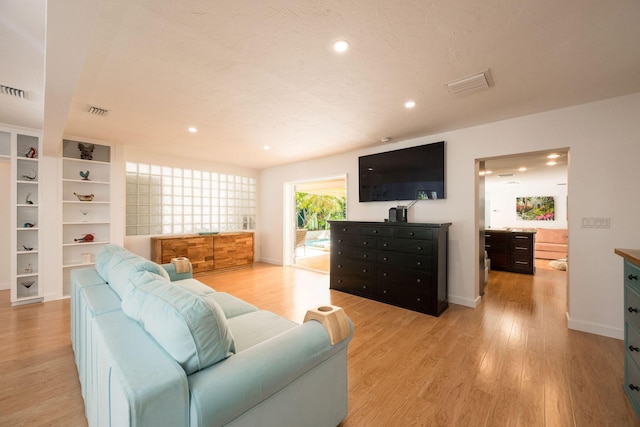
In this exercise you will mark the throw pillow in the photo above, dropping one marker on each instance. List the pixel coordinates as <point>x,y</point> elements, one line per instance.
<point>191,328</point>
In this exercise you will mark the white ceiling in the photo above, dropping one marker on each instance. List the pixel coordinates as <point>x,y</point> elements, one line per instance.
<point>249,74</point>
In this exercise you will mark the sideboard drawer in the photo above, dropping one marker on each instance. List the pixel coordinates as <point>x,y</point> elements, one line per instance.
<point>413,233</point>
<point>357,285</point>
<point>404,260</point>
<point>346,266</point>
<point>376,231</point>
<point>632,343</point>
<point>631,306</point>
<point>632,380</point>
<point>632,275</point>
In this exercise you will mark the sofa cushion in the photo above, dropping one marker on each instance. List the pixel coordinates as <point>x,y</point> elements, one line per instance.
<point>117,266</point>
<point>191,328</point>
<point>231,305</point>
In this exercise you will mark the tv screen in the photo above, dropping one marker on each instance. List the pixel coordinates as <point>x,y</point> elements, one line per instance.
<point>415,173</point>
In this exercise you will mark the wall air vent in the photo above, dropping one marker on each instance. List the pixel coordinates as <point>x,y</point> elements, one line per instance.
<point>471,83</point>
<point>97,111</point>
<point>12,91</point>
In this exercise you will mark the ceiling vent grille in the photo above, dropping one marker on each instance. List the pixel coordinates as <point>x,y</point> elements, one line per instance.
<point>12,91</point>
<point>97,111</point>
<point>503,175</point>
<point>472,83</point>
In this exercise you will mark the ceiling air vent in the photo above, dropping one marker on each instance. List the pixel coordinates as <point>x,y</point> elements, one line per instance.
<point>12,91</point>
<point>471,83</point>
<point>97,111</point>
<point>503,175</point>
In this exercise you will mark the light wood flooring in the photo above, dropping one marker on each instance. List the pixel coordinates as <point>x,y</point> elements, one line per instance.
<point>510,362</point>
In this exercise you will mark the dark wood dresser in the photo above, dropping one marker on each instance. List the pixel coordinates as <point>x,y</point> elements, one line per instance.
<point>511,250</point>
<point>403,264</point>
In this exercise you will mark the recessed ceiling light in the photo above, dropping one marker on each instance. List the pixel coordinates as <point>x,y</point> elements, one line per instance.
<point>341,46</point>
<point>553,156</point>
<point>193,130</point>
<point>552,163</point>
<point>409,104</point>
<point>522,169</point>
<point>267,148</point>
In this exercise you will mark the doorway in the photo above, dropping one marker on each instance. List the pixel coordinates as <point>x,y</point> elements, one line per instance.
<point>505,182</point>
<point>313,204</point>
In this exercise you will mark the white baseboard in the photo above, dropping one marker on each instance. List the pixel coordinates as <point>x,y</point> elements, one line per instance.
<point>595,328</point>
<point>270,261</point>
<point>467,302</point>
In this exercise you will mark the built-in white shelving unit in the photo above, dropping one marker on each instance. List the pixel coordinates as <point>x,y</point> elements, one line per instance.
<point>86,205</point>
<point>22,149</point>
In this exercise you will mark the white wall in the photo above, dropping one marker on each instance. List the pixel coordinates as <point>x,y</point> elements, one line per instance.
<point>5,215</point>
<point>501,199</point>
<point>603,139</point>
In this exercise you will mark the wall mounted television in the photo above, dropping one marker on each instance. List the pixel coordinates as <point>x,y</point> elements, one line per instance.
<point>414,173</point>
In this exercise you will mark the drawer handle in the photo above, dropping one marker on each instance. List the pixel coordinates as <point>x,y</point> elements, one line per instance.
<point>385,245</point>
<point>418,263</point>
<point>522,262</point>
<point>632,348</point>
<point>384,292</point>
<point>487,246</point>
<point>384,274</point>
<point>364,256</point>
<point>385,259</point>
<point>632,277</point>
<point>365,243</point>
<point>339,280</point>
<point>632,310</point>
<point>419,248</point>
<point>364,270</point>
<point>521,248</point>
<point>521,237</point>
<point>634,387</point>
<point>339,265</point>
<point>339,252</point>
<point>418,299</point>
<point>364,286</point>
<point>412,234</point>
<point>344,229</point>
<point>375,231</point>
<point>418,280</point>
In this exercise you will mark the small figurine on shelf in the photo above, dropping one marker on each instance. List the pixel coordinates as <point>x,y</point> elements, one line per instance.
<point>85,239</point>
<point>27,248</point>
<point>31,153</point>
<point>84,197</point>
<point>31,177</point>
<point>86,151</point>
<point>27,201</point>
<point>29,225</point>
<point>85,175</point>
<point>28,269</point>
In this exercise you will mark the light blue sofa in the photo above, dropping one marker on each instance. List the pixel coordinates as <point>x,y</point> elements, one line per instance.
<point>155,348</point>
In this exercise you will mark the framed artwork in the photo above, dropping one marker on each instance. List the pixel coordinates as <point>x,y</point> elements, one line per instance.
<point>535,208</point>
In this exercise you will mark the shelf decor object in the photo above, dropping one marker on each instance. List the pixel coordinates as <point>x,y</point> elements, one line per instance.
<point>86,181</point>
<point>84,197</point>
<point>21,148</point>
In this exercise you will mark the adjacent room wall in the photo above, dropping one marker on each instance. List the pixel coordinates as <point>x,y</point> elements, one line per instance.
<point>501,198</point>
<point>603,138</point>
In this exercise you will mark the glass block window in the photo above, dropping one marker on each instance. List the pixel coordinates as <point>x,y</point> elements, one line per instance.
<point>168,200</point>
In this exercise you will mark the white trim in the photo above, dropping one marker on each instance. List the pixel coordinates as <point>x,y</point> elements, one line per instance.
<point>467,302</point>
<point>594,328</point>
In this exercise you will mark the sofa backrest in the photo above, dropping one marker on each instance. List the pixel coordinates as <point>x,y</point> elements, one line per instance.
<point>551,235</point>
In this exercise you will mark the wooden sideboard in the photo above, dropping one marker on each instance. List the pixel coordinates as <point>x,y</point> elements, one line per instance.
<point>207,253</point>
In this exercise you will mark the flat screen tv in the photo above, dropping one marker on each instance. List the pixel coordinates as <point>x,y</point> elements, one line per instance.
<point>415,173</point>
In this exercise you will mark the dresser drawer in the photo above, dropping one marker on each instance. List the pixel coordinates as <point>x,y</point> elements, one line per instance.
<point>424,302</point>
<point>376,231</point>
<point>632,380</point>
<point>522,262</point>
<point>390,275</point>
<point>518,247</point>
<point>632,342</point>
<point>404,260</point>
<point>356,241</point>
<point>354,285</point>
<point>632,306</point>
<point>421,247</point>
<point>522,238</point>
<point>346,266</point>
<point>353,253</point>
<point>343,229</point>
<point>632,275</point>
<point>413,233</point>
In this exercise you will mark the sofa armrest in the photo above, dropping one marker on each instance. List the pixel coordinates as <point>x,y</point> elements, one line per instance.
<point>225,390</point>
<point>171,269</point>
<point>135,382</point>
